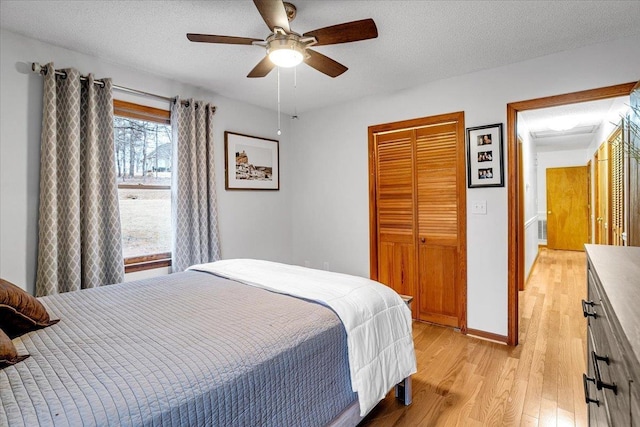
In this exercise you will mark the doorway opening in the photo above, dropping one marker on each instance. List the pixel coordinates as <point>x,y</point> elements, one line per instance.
<point>516,235</point>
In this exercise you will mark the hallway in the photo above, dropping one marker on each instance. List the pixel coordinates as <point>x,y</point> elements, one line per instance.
<point>464,381</point>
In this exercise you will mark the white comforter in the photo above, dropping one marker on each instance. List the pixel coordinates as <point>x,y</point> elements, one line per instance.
<point>377,321</point>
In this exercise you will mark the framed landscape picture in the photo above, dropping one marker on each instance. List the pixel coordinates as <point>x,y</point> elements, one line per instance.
<point>250,162</point>
<point>484,156</point>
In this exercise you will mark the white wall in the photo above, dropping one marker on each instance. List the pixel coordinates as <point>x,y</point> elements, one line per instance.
<point>321,212</point>
<point>252,223</point>
<point>530,176</point>
<point>331,209</point>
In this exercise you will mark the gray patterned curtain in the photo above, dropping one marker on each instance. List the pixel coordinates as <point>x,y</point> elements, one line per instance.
<point>194,206</point>
<point>80,245</point>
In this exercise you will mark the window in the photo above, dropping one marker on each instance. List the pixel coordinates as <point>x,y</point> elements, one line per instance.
<point>142,137</point>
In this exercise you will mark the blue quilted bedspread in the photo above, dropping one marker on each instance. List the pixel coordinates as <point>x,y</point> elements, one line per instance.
<point>187,349</point>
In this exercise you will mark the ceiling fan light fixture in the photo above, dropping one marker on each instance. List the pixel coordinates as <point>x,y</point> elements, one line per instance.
<point>286,58</point>
<point>285,53</point>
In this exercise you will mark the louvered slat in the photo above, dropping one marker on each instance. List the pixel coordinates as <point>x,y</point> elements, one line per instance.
<point>395,211</point>
<point>436,162</point>
<point>395,183</point>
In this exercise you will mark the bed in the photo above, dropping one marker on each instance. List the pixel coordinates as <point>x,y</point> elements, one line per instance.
<point>190,348</point>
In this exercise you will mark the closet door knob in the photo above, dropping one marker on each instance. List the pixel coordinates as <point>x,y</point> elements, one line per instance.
<point>423,240</point>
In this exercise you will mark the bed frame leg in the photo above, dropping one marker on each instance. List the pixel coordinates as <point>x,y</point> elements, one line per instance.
<point>403,391</point>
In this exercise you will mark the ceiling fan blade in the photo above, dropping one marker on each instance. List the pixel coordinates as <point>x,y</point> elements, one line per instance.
<point>273,13</point>
<point>209,38</point>
<point>262,69</point>
<point>344,33</point>
<point>324,64</point>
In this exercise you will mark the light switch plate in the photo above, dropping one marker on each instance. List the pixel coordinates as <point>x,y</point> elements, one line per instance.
<point>479,207</point>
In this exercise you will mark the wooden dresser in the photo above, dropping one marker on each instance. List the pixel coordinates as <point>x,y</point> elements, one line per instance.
<point>612,383</point>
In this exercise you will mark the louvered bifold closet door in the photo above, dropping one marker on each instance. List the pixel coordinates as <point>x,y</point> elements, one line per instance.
<point>437,175</point>
<point>617,189</point>
<point>396,218</point>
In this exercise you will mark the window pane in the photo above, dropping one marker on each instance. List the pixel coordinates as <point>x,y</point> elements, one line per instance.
<point>143,152</point>
<point>146,221</point>
<point>143,158</point>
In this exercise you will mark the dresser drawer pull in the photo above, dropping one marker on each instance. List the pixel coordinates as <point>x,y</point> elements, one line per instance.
<point>587,399</point>
<point>598,379</point>
<point>585,311</point>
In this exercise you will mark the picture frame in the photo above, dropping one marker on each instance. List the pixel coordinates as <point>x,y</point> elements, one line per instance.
<point>485,159</point>
<point>251,162</point>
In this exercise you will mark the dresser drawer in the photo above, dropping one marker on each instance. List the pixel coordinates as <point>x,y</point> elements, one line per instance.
<point>609,368</point>
<point>610,374</point>
<point>593,291</point>
<point>613,356</point>
<point>598,413</point>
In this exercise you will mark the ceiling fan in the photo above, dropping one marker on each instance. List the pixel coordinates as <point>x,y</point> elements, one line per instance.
<point>286,48</point>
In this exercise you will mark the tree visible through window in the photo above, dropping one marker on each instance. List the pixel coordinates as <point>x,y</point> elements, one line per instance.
<point>143,149</point>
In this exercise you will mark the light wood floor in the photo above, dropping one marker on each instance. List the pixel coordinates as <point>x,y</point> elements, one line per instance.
<point>465,381</point>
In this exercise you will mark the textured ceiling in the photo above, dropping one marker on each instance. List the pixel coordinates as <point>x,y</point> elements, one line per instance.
<point>419,41</point>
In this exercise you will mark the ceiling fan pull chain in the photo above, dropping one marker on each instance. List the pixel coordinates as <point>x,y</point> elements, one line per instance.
<point>279,132</point>
<point>295,99</point>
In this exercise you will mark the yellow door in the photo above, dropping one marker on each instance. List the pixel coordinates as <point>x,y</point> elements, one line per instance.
<point>567,208</point>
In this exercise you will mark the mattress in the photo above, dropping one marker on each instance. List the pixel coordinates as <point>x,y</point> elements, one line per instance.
<point>184,349</point>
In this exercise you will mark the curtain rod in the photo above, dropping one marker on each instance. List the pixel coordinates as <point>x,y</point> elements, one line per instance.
<point>39,69</point>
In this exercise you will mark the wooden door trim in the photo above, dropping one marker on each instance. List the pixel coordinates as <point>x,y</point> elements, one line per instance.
<point>633,177</point>
<point>461,195</point>
<point>415,123</point>
<point>521,267</point>
<point>515,240</point>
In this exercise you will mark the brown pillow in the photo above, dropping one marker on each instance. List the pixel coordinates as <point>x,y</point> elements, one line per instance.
<point>8,353</point>
<point>20,312</point>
